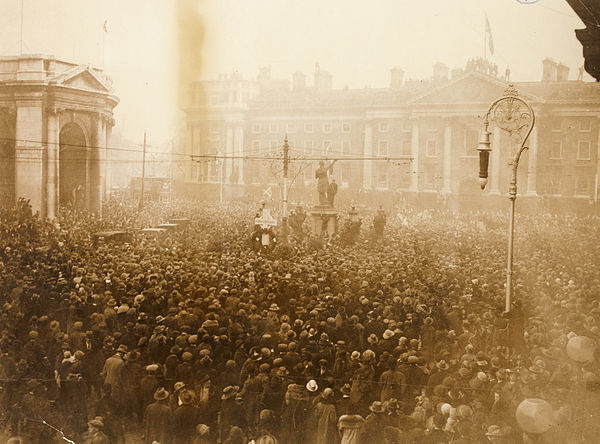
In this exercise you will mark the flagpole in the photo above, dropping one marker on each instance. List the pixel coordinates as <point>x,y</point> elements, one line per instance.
<point>21,32</point>
<point>484,39</point>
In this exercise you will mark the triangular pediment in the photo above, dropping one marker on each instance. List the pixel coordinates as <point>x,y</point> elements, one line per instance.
<point>471,87</point>
<point>84,78</point>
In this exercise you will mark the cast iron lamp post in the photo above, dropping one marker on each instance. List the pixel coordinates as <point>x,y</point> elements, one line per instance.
<point>515,116</point>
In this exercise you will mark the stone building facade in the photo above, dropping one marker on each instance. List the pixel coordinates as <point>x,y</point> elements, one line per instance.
<point>414,139</point>
<point>55,125</point>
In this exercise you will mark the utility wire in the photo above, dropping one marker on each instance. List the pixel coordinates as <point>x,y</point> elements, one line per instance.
<point>62,144</point>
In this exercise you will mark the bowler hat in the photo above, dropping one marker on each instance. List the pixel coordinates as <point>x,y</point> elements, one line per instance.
<point>186,396</point>
<point>312,385</point>
<point>161,394</point>
<point>229,391</point>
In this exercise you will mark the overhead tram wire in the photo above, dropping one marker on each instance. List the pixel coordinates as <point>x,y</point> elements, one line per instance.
<point>317,157</point>
<point>109,148</point>
<point>270,154</point>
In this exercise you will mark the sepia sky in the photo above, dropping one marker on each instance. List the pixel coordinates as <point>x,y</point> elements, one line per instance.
<point>358,41</point>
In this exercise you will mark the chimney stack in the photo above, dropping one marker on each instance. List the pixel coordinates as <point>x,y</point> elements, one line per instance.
<point>298,81</point>
<point>562,72</point>
<point>323,79</point>
<point>549,71</point>
<point>396,78</point>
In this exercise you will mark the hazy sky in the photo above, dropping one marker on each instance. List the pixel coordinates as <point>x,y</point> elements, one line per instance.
<point>358,41</point>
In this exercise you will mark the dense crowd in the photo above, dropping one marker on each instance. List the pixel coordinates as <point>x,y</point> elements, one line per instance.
<point>193,337</point>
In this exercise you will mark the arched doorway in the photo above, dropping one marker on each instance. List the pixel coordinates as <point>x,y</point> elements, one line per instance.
<point>73,166</point>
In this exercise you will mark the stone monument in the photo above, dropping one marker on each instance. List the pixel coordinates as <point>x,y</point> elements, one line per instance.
<point>324,217</point>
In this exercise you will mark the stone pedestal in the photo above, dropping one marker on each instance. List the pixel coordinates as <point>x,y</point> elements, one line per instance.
<point>323,219</point>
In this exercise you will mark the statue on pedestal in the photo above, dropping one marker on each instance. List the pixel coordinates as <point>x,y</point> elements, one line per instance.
<point>321,174</point>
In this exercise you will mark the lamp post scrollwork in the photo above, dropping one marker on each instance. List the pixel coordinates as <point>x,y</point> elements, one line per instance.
<point>515,116</point>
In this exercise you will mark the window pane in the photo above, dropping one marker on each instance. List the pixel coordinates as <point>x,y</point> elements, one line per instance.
<point>555,150</point>
<point>583,150</point>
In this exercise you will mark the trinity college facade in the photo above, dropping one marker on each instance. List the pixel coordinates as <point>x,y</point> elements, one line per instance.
<point>417,140</point>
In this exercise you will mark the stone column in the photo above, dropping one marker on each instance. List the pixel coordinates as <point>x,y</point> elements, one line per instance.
<point>52,166</point>
<point>532,163</point>
<point>29,155</point>
<point>368,152</point>
<point>89,168</point>
<point>496,161</point>
<point>414,170</point>
<point>228,152</point>
<point>447,161</point>
<point>101,144</point>
<point>97,163</point>
<point>239,151</point>
<point>109,158</point>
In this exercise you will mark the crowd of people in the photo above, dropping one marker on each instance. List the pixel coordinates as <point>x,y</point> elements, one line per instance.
<point>193,337</point>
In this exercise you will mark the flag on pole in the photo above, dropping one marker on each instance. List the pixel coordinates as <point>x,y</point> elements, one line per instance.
<point>488,31</point>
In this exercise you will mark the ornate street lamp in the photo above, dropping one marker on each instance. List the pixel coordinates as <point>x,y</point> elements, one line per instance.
<point>514,115</point>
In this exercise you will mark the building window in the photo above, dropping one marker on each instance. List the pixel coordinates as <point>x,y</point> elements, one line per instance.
<point>470,143</point>
<point>256,128</point>
<point>346,147</point>
<point>381,179</point>
<point>382,148</point>
<point>406,146</point>
<point>430,177</point>
<point>582,185</point>
<point>555,149</point>
<point>554,181</point>
<point>256,146</point>
<point>273,128</point>
<point>383,127</point>
<point>326,146</point>
<point>584,150</point>
<point>585,125</point>
<point>346,173</point>
<point>327,127</point>
<point>308,147</point>
<point>346,127</point>
<point>273,146</point>
<point>213,100</point>
<point>431,148</point>
<point>214,171</point>
<point>291,128</point>
<point>308,127</point>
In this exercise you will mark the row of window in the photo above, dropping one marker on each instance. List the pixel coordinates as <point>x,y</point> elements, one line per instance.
<point>584,150</point>
<point>291,128</point>
<point>326,128</point>
<point>585,126</point>
<point>553,183</point>
<point>326,147</point>
<point>432,149</point>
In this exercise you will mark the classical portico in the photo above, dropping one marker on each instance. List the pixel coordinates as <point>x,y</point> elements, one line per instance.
<point>55,123</point>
